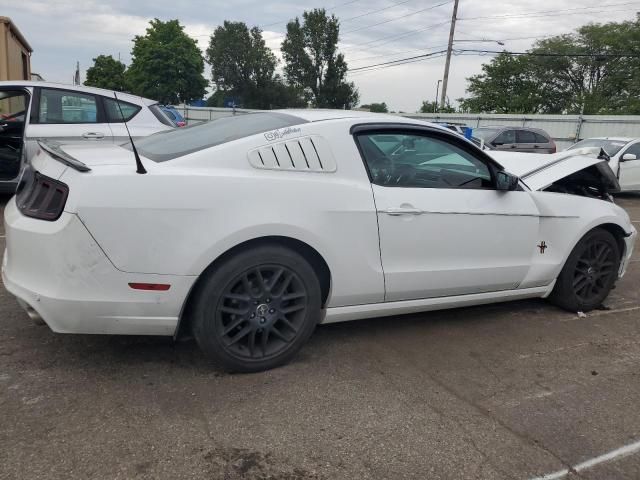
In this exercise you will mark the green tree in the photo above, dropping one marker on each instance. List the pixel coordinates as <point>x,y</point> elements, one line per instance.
<point>166,65</point>
<point>243,67</point>
<point>376,107</point>
<point>106,72</point>
<point>572,73</point>
<point>312,61</point>
<point>434,107</point>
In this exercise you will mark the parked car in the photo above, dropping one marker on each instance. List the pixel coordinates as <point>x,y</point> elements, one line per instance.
<point>454,127</point>
<point>67,114</point>
<point>175,116</point>
<point>515,139</point>
<point>624,160</point>
<point>250,230</point>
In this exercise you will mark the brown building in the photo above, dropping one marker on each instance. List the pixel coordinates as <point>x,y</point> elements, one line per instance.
<point>15,52</point>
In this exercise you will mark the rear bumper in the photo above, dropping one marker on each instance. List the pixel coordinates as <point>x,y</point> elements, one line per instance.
<point>58,271</point>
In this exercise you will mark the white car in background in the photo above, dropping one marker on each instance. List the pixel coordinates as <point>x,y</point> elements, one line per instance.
<point>67,114</point>
<point>624,161</point>
<point>250,230</point>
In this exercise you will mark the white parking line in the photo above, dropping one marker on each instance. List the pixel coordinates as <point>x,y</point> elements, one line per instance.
<point>612,455</point>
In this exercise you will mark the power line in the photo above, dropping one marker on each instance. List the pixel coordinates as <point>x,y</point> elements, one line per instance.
<point>416,60</point>
<point>374,11</point>
<point>397,18</point>
<point>393,38</point>
<point>545,54</point>
<point>393,62</point>
<point>543,13</point>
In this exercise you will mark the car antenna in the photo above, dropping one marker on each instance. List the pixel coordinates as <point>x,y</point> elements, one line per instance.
<point>139,167</point>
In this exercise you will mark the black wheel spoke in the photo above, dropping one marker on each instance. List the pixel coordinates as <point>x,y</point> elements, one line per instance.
<point>238,297</point>
<point>275,277</point>
<point>234,310</point>
<point>293,296</point>
<point>292,308</point>
<point>233,326</point>
<point>240,335</point>
<point>252,341</point>
<point>278,334</point>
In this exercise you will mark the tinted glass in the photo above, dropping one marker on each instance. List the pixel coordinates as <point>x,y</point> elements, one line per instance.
<point>525,136</point>
<point>125,111</point>
<point>180,142</point>
<point>506,137</point>
<point>59,106</point>
<point>634,149</point>
<point>610,146</point>
<point>541,138</point>
<point>415,161</point>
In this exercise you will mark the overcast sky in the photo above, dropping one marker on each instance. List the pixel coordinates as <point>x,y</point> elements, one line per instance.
<point>62,32</point>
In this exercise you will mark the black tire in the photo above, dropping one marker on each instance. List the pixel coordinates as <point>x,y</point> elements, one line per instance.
<point>589,273</point>
<point>256,310</point>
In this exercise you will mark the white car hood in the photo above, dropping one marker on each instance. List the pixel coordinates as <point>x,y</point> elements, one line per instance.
<point>538,170</point>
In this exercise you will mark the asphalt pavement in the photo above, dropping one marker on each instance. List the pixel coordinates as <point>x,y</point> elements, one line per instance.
<point>509,391</point>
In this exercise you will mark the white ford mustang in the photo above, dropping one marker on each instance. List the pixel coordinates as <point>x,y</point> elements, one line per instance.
<point>249,231</point>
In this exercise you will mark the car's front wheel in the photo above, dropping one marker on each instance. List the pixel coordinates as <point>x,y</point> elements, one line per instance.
<point>256,310</point>
<point>589,273</point>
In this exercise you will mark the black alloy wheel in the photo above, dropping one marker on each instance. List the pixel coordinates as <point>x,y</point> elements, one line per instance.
<point>589,273</point>
<point>261,312</point>
<point>257,308</point>
<point>594,270</point>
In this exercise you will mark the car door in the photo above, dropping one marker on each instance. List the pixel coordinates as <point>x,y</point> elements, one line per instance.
<point>526,142</point>
<point>505,141</point>
<point>67,116</point>
<point>14,109</point>
<point>629,177</point>
<point>444,229</point>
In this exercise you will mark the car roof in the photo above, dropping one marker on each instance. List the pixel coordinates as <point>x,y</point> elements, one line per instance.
<point>79,88</point>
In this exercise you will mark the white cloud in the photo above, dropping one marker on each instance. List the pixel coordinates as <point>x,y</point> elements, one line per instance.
<point>65,31</point>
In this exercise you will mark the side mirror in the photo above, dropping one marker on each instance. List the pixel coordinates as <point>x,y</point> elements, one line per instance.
<point>505,181</point>
<point>497,144</point>
<point>628,156</point>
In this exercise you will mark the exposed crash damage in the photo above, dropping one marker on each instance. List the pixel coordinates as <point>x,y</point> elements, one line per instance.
<point>584,172</point>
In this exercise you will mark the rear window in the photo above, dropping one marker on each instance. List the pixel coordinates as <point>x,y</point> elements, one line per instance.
<point>177,143</point>
<point>160,115</point>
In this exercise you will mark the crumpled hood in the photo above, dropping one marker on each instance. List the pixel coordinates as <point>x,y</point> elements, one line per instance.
<point>538,171</point>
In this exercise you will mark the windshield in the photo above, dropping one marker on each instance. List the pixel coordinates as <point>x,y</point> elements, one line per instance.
<point>177,143</point>
<point>485,133</point>
<point>610,146</point>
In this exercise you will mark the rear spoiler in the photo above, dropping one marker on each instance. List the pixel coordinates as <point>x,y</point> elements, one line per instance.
<point>53,149</point>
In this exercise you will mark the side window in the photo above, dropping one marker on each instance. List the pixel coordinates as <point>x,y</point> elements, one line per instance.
<point>634,149</point>
<point>119,112</point>
<point>416,161</point>
<point>505,138</point>
<point>526,136</point>
<point>541,138</point>
<point>60,106</point>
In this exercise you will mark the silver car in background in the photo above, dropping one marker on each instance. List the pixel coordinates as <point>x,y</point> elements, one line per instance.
<point>624,158</point>
<point>30,111</point>
<point>515,139</point>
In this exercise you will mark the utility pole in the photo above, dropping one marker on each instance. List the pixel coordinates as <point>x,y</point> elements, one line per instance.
<point>445,79</point>
<point>435,104</point>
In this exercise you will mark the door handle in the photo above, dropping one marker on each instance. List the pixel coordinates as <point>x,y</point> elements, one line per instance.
<point>96,135</point>
<point>403,211</point>
<point>513,146</point>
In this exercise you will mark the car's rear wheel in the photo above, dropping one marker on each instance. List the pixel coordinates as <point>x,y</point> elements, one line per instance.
<point>589,273</point>
<point>256,310</point>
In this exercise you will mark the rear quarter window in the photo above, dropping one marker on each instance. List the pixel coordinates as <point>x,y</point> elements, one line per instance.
<point>183,141</point>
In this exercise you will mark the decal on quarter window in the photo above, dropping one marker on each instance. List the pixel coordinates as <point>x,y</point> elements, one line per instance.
<point>543,246</point>
<point>281,133</point>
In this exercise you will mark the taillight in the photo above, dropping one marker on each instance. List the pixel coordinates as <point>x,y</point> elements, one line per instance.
<point>553,147</point>
<point>39,196</point>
